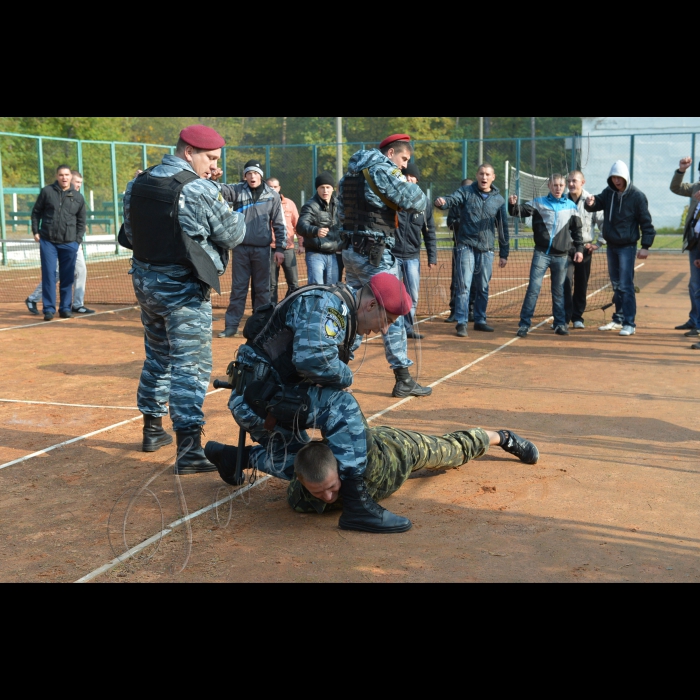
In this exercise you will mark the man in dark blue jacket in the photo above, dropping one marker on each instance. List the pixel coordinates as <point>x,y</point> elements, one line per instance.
<point>627,219</point>
<point>483,213</point>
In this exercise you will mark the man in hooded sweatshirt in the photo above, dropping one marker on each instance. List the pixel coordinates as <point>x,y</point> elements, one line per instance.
<point>627,219</point>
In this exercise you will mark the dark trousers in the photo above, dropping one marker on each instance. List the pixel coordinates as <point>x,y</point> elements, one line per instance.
<point>65,254</point>
<point>576,288</point>
<point>250,268</point>
<point>341,266</point>
<point>291,274</point>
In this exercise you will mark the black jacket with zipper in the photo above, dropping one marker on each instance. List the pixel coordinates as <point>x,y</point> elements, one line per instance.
<point>412,227</point>
<point>315,215</point>
<point>58,216</point>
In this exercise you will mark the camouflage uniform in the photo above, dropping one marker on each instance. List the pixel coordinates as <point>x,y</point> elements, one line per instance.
<point>176,316</point>
<point>319,321</point>
<point>393,456</point>
<point>359,271</point>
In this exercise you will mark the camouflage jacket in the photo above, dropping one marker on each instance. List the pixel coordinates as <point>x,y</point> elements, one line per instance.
<point>203,215</point>
<point>389,181</point>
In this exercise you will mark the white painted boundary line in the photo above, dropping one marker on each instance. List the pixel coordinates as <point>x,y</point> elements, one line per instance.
<point>63,320</point>
<point>80,439</point>
<point>69,405</point>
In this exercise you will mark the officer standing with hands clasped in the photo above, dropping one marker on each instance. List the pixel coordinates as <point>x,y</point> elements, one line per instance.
<point>370,198</point>
<point>292,376</point>
<point>181,232</point>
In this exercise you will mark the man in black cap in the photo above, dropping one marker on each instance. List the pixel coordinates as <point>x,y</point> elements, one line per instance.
<point>262,208</point>
<point>318,225</point>
<point>413,226</point>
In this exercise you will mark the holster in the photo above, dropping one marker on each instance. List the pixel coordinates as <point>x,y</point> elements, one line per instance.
<point>370,247</point>
<point>288,405</point>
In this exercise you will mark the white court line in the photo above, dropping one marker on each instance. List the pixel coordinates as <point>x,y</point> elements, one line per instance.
<point>63,320</point>
<point>69,405</point>
<point>80,439</point>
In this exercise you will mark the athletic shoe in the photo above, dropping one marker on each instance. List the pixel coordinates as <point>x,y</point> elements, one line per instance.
<point>230,333</point>
<point>523,332</point>
<point>83,311</point>
<point>48,317</point>
<point>462,331</point>
<point>692,334</point>
<point>612,326</point>
<point>483,328</point>
<point>32,307</point>
<point>628,331</point>
<point>451,319</point>
<point>580,326</point>
<point>65,314</point>
<point>524,450</point>
<point>687,326</point>
<point>412,335</point>
<point>562,330</point>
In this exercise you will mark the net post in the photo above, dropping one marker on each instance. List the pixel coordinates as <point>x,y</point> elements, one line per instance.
<point>314,164</point>
<point>144,157</point>
<point>574,160</point>
<point>3,223</point>
<point>692,154</point>
<point>518,147</point>
<point>115,196</point>
<point>80,170</point>
<point>267,162</point>
<point>465,159</point>
<point>632,144</point>
<point>40,152</point>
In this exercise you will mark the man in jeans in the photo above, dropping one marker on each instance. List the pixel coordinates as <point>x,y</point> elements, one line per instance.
<point>627,219</point>
<point>413,227</point>
<point>79,308</point>
<point>555,223</point>
<point>291,271</point>
<point>58,224</point>
<point>453,224</point>
<point>318,226</point>
<point>690,243</point>
<point>483,216</point>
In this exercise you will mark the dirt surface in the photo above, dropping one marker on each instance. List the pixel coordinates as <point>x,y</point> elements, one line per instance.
<point>614,497</point>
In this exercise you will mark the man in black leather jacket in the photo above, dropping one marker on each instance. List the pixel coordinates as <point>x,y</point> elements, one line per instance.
<point>318,225</point>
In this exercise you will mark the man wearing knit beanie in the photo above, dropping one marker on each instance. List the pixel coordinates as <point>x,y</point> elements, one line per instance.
<point>318,224</point>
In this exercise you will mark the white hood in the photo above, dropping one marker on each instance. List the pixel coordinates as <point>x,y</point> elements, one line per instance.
<point>620,169</point>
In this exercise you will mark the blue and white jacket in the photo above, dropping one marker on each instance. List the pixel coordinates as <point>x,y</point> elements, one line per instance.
<point>555,222</point>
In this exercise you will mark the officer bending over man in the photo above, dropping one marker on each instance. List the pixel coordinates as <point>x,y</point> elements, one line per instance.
<point>181,232</point>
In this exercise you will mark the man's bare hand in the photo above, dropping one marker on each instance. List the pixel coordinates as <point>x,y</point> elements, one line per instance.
<point>279,259</point>
<point>502,263</point>
<point>137,173</point>
<point>37,237</point>
<point>513,200</point>
<point>591,248</point>
<point>440,202</point>
<point>685,164</point>
<point>323,232</point>
<point>578,258</point>
<point>432,266</point>
<point>590,201</point>
<point>217,175</point>
<point>643,254</point>
<point>696,196</point>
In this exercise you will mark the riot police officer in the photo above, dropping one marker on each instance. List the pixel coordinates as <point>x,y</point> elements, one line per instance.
<point>181,232</point>
<point>370,197</point>
<point>291,378</point>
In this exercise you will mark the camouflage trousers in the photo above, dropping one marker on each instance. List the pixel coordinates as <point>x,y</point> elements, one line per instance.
<point>178,327</point>
<point>396,454</point>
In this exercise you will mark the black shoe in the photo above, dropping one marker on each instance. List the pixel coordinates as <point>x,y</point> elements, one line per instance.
<point>65,314</point>
<point>523,332</point>
<point>230,333</point>
<point>407,386</point>
<point>32,307</point>
<point>514,445</point>
<point>484,328</point>
<point>83,311</point>
<point>48,317</point>
<point>154,437</point>
<point>224,458</point>
<point>451,319</point>
<point>414,336</point>
<point>190,455</point>
<point>471,316</point>
<point>688,326</point>
<point>692,334</point>
<point>362,514</point>
<point>462,331</point>
<point>562,330</point>
<point>695,347</point>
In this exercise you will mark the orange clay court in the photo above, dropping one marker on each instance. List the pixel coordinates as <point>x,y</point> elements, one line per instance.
<point>614,497</point>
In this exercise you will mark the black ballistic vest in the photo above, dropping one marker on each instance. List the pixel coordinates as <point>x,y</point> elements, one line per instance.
<point>276,340</point>
<point>158,238</point>
<point>360,215</point>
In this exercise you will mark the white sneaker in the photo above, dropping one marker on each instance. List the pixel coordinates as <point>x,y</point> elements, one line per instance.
<point>611,327</point>
<point>628,330</point>
<point>580,326</point>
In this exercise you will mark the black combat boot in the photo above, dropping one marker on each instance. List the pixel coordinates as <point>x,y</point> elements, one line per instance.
<point>224,458</point>
<point>362,514</point>
<point>407,386</point>
<point>524,450</point>
<point>154,437</point>
<point>190,455</point>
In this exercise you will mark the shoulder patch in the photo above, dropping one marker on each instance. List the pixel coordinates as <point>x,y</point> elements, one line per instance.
<point>334,323</point>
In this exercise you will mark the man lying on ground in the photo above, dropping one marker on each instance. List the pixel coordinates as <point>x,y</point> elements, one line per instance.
<point>392,456</point>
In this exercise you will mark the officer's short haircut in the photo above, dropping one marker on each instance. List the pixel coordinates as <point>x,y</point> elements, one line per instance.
<point>555,177</point>
<point>398,146</point>
<point>75,173</point>
<point>314,463</point>
<point>487,166</point>
<point>63,167</point>
<point>182,145</point>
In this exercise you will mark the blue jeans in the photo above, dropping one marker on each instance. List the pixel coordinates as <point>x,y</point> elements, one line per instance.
<point>695,287</point>
<point>621,266</point>
<point>322,268</point>
<point>474,272</point>
<point>63,256</point>
<point>410,272</point>
<point>358,272</point>
<point>542,262</point>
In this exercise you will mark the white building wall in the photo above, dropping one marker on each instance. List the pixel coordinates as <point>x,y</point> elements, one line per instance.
<point>659,143</point>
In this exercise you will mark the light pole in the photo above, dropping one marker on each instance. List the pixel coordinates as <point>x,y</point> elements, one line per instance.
<point>340,170</point>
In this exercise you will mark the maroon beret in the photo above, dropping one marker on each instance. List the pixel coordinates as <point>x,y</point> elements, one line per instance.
<point>392,139</point>
<point>203,137</point>
<point>391,294</point>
